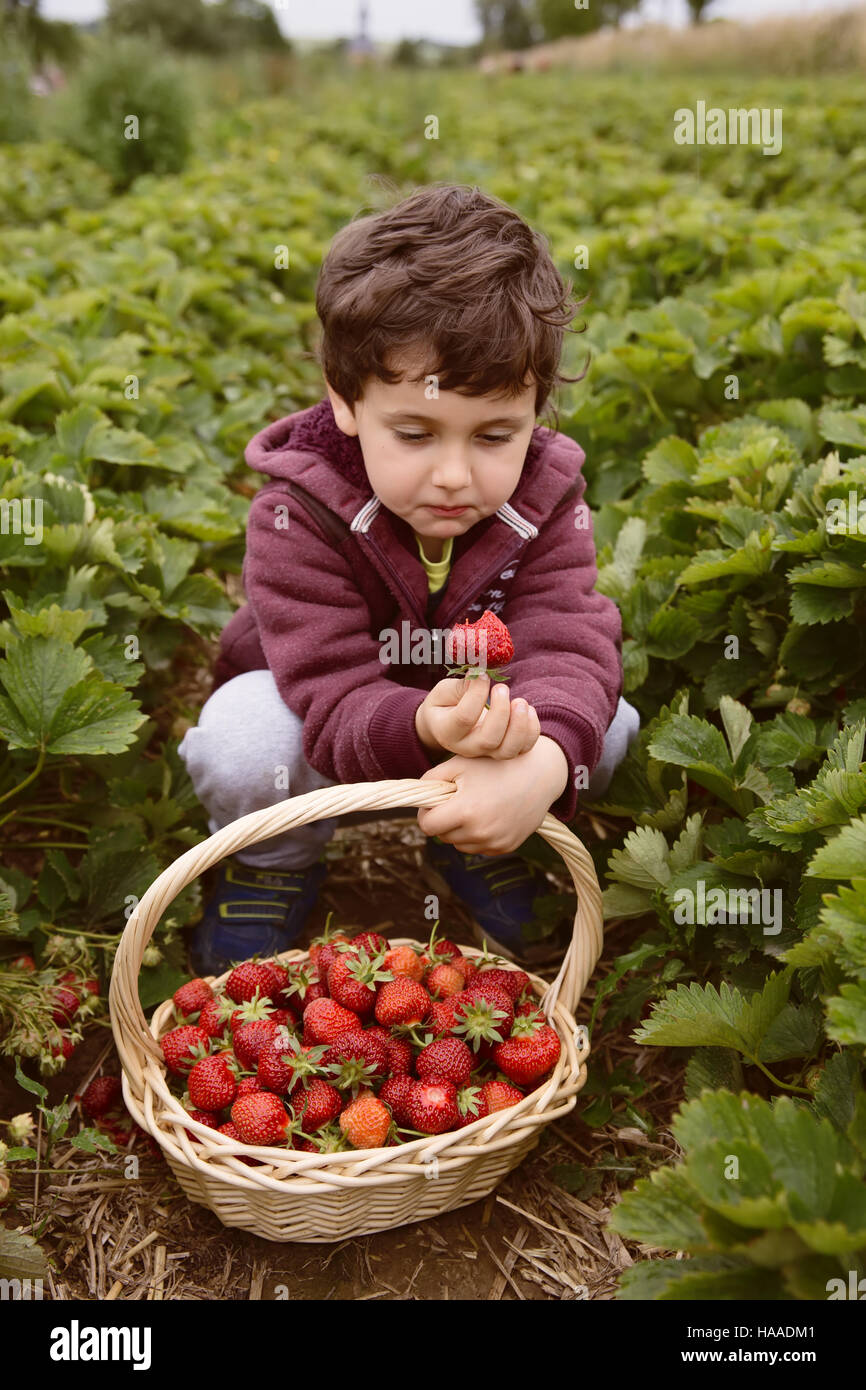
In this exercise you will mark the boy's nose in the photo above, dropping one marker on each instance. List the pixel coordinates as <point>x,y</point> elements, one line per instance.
<point>452,475</point>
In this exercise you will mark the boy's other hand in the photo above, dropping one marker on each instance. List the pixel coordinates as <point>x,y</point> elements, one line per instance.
<point>497,805</point>
<point>454,718</point>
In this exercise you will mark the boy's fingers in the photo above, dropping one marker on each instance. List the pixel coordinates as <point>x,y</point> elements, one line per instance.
<point>468,711</point>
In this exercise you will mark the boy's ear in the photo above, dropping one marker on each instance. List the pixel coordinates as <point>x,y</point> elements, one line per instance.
<point>343,413</point>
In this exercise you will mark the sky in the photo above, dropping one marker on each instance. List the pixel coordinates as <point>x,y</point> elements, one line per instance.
<point>448,21</point>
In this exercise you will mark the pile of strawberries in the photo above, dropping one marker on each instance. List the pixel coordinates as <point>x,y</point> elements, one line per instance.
<point>363,1046</point>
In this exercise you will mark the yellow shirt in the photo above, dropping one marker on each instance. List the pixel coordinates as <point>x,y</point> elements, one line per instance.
<point>437,570</point>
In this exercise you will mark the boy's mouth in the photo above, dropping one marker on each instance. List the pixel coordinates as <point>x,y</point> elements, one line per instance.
<point>448,511</point>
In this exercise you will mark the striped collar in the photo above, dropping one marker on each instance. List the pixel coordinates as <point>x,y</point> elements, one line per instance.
<point>364,518</point>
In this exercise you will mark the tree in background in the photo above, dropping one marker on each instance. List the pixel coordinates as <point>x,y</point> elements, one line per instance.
<point>192,26</point>
<point>41,39</point>
<point>507,23</point>
<point>559,18</point>
<point>696,9</point>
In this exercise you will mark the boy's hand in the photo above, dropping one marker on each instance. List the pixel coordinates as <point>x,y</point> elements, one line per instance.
<point>497,804</point>
<point>453,718</point>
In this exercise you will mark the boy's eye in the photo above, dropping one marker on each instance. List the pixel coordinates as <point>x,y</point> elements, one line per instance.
<point>488,438</point>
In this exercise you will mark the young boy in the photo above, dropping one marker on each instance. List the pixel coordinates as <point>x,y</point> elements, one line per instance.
<point>417,495</point>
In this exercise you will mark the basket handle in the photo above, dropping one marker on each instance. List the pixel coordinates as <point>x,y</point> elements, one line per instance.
<point>131,1032</point>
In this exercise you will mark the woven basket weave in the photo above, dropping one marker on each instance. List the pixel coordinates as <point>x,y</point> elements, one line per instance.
<point>326,1197</point>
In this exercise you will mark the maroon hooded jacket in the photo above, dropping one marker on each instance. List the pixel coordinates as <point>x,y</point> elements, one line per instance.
<point>328,569</point>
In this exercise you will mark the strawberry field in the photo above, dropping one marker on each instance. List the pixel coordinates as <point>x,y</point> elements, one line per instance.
<point>146,335</point>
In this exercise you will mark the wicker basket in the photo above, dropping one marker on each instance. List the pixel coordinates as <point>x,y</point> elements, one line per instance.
<point>302,1196</point>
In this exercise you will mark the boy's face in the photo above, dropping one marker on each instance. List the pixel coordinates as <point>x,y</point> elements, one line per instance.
<point>460,452</point>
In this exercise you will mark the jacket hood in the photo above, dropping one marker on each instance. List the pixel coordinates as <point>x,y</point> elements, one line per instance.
<point>309,447</point>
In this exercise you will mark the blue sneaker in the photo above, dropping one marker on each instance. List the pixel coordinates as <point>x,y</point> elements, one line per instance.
<point>500,893</point>
<point>253,912</point>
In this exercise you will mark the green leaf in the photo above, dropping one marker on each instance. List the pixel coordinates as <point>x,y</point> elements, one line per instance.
<point>20,1256</point>
<point>90,1141</point>
<point>844,856</point>
<point>701,1016</point>
<point>737,721</point>
<point>661,1211</point>
<point>713,1069</point>
<point>672,460</point>
<point>795,1032</point>
<point>838,1087</point>
<point>709,1277</point>
<point>34,1087</point>
<point>846,1015</point>
<point>843,426</point>
<point>642,861</point>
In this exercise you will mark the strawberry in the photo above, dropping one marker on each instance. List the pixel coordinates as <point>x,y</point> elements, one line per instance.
<point>399,1056</point>
<point>26,963</point>
<point>212,1082</point>
<point>432,1105</point>
<point>102,1095</point>
<point>352,980</point>
<point>183,1046</point>
<point>444,980</point>
<point>88,986</point>
<point>323,948</point>
<point>245,979</point>
<point>472,1105</point>
<point>302,987</point>
<point>261,1118</point>
<point>250,1038</point>
<point>315,1104</point>
<point>395,1094</point>
<point>401,1001</point>
<point>355,1059</point>
<point>486,643</point>
<point>204,1117</point>
<point>467,968</point>
<point>329,1139</point>
<point>214,1017</point>
<point>64,1048</point>
<point>283,1061</point>
<point>511,982</point>
<point>371,942</point>
<point>499,1095</point>
<point>404,960</point>
<point>66,1005</point>
<point>529,1053</point>
<point>191,998</point>
<point>440,1015</point>
<point>448,1058</point>
<point>325,1020</point>
<point>248,1085</point>
<point>231,1129</point>
<point>366,1121</point>
<point>486,989</point>
<point>483,1018</point>
<point>442,952</point>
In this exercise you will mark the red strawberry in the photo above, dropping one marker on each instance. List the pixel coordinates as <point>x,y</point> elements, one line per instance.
<point>191,998</point>
<point>284,1060</point>
<point>250,1038</point>
<point>442,952</point>
<point>395,1093</point>
<point>261,1118</point>
<point>212,1082</point>
<point>448,1058</point>
<point>248,1085</point>
<point>366,1121</point>
<point>89,986</point>
<point>468,969</point>
<point>499,1095</point>
<point>22,963</point>
<point>325,1020</point>
<point>64,1048</point>
<point>231,1129</point>
<point>183,1046</point>
<point>440,1015</point>
<point>204,1117</point>
<point>404,960</point>
<point>315,1104</point>
<point>529,1053</point>
<point>302,987</point>
<point>486,643</point>
<point>352,980</point>
<point>356,1059</point>
<point>401,1001</point>
<point>511,982</point>
<point>245,979</point>
<point>528,1009</point>
<point>371,942</point>
<point>102,1095</point>
<point>432,1105</point>
<point>214,1017</point>
<point>66,1005</point>
<point>483,1018</point>
<point>444,980</point>
<point>472,1105</point>
<point>323,950</point>
<point>399,1056</point>
<point>329,1139</point>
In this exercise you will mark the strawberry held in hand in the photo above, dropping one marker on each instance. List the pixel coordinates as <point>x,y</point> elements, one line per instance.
<point>484,645</point>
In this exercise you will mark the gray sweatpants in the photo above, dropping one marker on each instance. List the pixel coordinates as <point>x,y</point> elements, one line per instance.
<point>246,752</point>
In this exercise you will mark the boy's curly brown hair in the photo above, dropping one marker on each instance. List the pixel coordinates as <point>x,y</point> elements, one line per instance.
<point>454,278</point>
